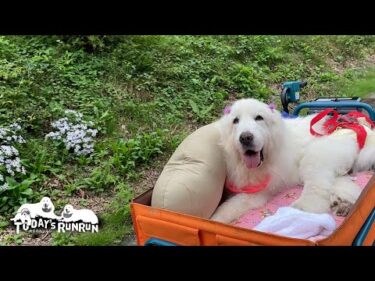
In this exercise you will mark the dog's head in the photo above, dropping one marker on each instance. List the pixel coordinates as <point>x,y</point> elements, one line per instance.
<point>47,205</point>
<point>68,211</point>
<point>25,213</point>
<point>251,126</point>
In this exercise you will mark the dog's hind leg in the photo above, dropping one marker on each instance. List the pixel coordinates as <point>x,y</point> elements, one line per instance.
<point>325,160</point>
<point>344,194</point>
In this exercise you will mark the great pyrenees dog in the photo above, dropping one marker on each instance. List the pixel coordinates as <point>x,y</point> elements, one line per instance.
<point>267,152</point>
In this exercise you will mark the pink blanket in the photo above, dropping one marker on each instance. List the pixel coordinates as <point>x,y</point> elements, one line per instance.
<point>286,198</point>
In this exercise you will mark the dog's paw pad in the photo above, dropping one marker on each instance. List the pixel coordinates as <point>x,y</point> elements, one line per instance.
<point>341,207</point>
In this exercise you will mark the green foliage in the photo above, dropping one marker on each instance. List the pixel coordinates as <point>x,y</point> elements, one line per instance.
<point>16,194</point>
<point>364,83</point>
<point>129,154</point>
<point>16,239</point>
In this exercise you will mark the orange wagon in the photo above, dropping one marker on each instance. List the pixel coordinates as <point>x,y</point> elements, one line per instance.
<point>154,226</point>
<point>159,226</point>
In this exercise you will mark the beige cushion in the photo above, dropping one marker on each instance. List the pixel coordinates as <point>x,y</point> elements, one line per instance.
<point>192,181</point>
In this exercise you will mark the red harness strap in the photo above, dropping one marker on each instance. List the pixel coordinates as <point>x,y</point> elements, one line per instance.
<point>348,121</point>
<point>249,188</point>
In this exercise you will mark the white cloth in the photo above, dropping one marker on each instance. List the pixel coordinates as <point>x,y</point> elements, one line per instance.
<point>291,222</point>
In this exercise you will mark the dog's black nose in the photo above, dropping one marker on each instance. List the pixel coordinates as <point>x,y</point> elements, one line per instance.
<point>246,138</point>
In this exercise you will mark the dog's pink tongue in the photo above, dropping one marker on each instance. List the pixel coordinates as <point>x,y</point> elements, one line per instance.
<point>252,161</point>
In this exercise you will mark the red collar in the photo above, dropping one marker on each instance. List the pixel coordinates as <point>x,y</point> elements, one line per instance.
<point>248,188</point>
<point>348,121</point>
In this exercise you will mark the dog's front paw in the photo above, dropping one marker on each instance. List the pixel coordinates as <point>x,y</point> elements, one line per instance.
<point>312,204</point>
<point>299,204</point>
<point>340,207</point>
<point>221,218</point>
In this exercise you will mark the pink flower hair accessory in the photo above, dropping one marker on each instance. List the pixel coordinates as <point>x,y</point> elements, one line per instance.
<point>227,109</point>
<point>272,106</point>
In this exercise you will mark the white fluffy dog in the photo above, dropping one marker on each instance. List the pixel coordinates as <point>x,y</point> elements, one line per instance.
<point>262,148</point>
<point>70,214</point>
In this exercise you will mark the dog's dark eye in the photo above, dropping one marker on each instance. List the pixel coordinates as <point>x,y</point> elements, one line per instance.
<point>235,120</point>
<point>258,118</point>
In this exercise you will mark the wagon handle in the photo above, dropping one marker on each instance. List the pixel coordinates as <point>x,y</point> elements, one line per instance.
<point>333,104</point>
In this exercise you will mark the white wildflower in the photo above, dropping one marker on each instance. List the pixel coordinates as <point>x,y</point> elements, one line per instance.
<point>76,134</point>
<point>4,187</point>
<point>15,127</point>
<point>9,155</point>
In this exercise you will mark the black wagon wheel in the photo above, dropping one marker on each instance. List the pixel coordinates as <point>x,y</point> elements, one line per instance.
<point>284,99</point>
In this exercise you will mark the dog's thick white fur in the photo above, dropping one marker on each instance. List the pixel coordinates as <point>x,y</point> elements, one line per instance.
<point>285,150</point>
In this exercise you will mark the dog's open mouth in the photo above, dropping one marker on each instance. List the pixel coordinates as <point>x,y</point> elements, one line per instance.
<point>46,209</point>
<point>253,159</point>
<point>67,215</point>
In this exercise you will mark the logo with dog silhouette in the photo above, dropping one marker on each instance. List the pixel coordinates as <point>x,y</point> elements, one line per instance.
<point>42,215</point>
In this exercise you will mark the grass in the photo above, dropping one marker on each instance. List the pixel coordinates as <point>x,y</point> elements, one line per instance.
<point>362,86</point>
<point>145,94</point>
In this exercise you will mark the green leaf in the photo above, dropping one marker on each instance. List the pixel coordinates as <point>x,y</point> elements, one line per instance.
<point>12,184</point>
<point>28,192</point>
<point>4,224</point>
<point>194,106</point>
<point>208,109</point>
